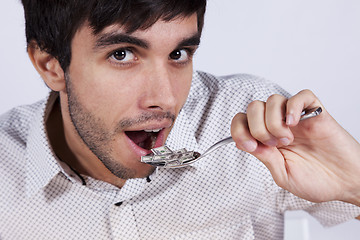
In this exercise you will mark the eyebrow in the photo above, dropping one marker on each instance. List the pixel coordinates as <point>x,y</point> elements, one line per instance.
<point>114,38</point>
<point>194,40</point>
<point>109,39</point>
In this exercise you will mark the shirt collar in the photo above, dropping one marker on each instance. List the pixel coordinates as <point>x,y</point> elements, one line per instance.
<point>41,164</point>
<point>183,134</point>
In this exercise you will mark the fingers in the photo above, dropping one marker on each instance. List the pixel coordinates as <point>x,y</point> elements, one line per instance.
<point>256,118</point>
<point>275,120</point>
<point>241,134</point>
<point>296,104</point>
<point>264,122</point>
<point>245,140</point>
<point>269,122</point>
<point>267,127</point>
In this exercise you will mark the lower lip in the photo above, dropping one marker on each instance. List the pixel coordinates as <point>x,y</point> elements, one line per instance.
<point>143,152</point>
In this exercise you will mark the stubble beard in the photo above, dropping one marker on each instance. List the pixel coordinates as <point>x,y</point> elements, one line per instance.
<point>95,136</point>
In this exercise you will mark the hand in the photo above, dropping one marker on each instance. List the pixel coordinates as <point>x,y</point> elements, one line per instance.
<point>315,159</point>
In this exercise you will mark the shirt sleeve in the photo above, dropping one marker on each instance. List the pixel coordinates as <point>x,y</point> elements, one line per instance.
<point>327,213</point>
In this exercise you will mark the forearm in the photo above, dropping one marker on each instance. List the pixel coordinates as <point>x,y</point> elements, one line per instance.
<point>356,201</point>
<point>351,152</point>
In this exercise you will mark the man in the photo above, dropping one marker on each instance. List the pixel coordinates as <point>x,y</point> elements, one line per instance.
<point>122,83</point>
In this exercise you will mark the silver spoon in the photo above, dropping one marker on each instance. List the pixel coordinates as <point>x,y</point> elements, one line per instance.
<point>176,163</point>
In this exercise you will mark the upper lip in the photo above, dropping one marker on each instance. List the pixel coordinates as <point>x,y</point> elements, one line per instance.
<point>151,126</point>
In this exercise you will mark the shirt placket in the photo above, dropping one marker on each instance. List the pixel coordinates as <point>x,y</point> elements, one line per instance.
<point>122,218</point>
<point>123,222</point>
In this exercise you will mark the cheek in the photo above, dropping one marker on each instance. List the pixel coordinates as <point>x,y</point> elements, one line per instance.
<point>104,93</point>
<point>183,91</point>
<point>182,86</point>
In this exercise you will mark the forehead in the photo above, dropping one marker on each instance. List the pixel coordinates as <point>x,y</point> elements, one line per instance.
<point>173,30</point>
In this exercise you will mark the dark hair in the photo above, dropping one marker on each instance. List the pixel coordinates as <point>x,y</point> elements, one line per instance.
<point>51,25</point>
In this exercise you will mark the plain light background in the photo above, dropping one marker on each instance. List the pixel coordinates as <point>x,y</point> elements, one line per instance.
<point>298,44</point>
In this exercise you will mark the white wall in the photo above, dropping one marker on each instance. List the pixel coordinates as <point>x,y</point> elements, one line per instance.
<point>298,44</point>
<point>19,82</point>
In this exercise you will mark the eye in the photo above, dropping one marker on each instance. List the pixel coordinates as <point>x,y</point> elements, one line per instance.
<point>123,55</point>
<point>180,55</point>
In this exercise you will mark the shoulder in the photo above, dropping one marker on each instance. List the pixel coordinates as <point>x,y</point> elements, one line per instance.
<point>14,128</point>
<point>250,85</point>
<point>236,91</point>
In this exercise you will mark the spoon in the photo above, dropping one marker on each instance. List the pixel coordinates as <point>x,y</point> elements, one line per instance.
<point>183,158</point>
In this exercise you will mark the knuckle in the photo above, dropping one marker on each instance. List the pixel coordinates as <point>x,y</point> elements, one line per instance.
<point>237,131</point>
<point>260,134</point>
<point>307,92</point>
<point>254,106</point>
<point>238,119</point>
<point>238,125</point>
<point>275,98</point>
<point>275,128</point>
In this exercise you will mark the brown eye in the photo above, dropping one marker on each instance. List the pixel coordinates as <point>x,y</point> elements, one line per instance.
<point>175,55</point>
<point>119,55</point>
<point>123,55</point>
<point>181,55</point>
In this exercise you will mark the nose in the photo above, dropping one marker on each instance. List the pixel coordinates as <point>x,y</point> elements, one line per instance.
<point>159,89</point>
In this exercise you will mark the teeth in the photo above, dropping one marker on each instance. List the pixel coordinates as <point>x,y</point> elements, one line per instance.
<point>152,130</point>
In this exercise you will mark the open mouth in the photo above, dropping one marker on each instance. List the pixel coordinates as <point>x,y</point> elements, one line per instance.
<point>145,139</point>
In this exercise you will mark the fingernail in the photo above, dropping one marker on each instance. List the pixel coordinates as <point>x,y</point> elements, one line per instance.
<point>285,141</point>
<point>250,146</point>
<point>289,119</point>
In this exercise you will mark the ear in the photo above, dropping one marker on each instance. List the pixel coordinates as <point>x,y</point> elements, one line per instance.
<point>48,67</point>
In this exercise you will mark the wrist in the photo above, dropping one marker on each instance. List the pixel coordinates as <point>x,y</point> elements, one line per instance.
<point>354,176</point>
<point>353,198</point>
<point>356,201</point>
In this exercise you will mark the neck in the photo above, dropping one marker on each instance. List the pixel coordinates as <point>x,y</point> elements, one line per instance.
<point>56,135</point>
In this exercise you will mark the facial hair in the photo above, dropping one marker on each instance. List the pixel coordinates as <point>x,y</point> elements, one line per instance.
<point>98,138</point>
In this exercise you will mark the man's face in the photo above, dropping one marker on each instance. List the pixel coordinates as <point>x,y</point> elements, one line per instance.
<point>124,91</point>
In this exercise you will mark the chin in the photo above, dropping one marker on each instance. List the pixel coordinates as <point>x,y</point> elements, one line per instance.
<point>132,170</point>
<point>144,171</point>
